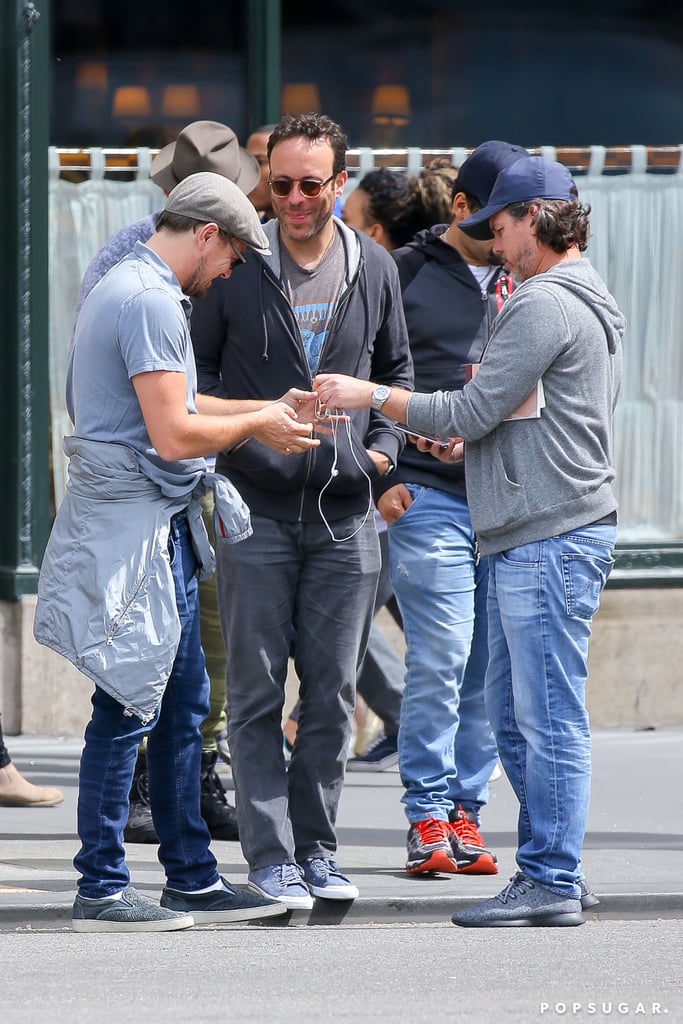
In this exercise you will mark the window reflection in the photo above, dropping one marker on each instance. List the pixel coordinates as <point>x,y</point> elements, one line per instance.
<point>541,74</point>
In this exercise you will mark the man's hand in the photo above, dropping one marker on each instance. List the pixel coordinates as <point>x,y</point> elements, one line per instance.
<point>178,434</point>
<point>306,405</point>
<point>381,460</point>
<point>277,427</point>
<point>302,402</point>
<point>337,391</point>
<point>450,452</point>
<point>394,502</point>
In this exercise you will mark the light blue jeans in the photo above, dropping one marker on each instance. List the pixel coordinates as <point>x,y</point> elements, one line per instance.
<point>446,747</point>
<point>541,601</point>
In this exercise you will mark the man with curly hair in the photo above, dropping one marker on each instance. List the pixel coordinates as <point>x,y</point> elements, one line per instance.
<point>326,299</point>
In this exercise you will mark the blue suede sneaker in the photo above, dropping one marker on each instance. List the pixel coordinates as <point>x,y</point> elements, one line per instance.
<point>325,880</point>
<point>284,883</point>
<point>221,906</point>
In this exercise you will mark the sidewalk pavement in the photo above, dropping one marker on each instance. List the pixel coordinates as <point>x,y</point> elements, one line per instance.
<point>633,856</point>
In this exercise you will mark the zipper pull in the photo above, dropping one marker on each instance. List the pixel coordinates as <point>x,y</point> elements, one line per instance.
<point>477,552</point>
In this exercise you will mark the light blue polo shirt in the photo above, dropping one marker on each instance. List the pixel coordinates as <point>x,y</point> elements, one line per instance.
<point>135,320</point>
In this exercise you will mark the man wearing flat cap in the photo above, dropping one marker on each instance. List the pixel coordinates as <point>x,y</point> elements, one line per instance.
<point>200,146</point>
<point>118,584</point>
<point>543,507</point>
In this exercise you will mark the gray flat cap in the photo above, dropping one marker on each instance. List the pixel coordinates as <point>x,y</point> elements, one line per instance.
<point>211,198</point>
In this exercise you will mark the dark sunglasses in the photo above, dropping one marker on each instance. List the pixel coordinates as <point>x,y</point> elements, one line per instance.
<point>309,187</point>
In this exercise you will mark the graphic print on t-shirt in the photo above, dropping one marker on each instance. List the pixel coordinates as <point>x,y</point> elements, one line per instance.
<point>314,319</point>
<point>314,295</point>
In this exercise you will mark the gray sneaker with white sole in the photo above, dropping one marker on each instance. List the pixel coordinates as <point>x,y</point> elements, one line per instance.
<point>522,904</point>
<point>130,912</point>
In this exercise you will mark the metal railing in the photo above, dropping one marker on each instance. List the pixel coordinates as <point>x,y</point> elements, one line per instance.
<point>77,164</point>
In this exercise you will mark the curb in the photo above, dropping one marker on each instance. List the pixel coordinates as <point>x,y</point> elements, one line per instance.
<point>367,911</point>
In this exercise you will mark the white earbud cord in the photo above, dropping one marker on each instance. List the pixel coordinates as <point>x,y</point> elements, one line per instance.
<point>334,425</point>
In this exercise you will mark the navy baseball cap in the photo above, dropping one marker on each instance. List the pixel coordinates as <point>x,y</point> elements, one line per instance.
<point>531,177</point>
<point>477,174</point>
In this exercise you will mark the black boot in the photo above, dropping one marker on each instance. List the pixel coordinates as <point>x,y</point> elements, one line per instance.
<point>219,815</point>
<point>140,827</point>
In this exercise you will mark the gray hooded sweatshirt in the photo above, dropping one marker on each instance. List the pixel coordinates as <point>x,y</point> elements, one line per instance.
<point>531,479</point>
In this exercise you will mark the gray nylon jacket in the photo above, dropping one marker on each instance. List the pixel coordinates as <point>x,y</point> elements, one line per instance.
<point>528,480</point>
<point>106,597</point>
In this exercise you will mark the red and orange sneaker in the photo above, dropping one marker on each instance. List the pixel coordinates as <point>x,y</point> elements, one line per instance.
<point>429,847</point>
<point>467,846</point>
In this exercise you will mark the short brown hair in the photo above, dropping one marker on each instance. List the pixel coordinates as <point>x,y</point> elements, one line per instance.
<point>313,127</point>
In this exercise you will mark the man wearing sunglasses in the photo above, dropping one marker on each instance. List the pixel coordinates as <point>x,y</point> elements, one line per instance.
<point>327,297</point>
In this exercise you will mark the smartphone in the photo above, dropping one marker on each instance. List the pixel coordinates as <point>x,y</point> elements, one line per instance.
<point>413,433</point>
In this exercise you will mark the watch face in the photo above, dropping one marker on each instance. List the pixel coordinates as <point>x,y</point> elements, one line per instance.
<point>380,394</point>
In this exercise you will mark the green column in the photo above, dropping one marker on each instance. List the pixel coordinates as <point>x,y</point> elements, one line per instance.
<point>264,35</point>
<point>24,411</point>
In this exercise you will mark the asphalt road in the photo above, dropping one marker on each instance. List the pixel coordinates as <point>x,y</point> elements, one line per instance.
<point>398,974</point>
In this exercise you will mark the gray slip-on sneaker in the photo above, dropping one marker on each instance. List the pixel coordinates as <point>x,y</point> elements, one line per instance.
<point>588,897</point>
<point>227,905</point>
<point>522,904</point>
<point>131,912</point>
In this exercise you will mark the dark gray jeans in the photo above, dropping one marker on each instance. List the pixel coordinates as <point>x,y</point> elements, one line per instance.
<point>380,679</point>
<point>293,575</point>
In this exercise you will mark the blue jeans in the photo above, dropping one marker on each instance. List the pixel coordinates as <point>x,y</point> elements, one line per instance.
<point>284,575</point>
<point>174,748</point>
<point>446,747</point>
<point>542,598</point>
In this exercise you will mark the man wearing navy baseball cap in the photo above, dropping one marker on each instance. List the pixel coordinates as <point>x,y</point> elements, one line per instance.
<point>478,173</point>
<point>530,177</point>
<point>542,502</point>
<point>452,288</point>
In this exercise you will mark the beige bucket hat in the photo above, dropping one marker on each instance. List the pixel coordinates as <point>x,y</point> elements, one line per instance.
<point>205,146</point>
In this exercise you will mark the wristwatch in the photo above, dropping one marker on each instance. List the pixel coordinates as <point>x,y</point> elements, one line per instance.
<point>379,396</point>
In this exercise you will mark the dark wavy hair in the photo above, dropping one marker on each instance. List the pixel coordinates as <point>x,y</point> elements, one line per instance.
<point>406,203</point>
<point>389,193</point>
<point>559,223</point>
<point>313,127</point>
